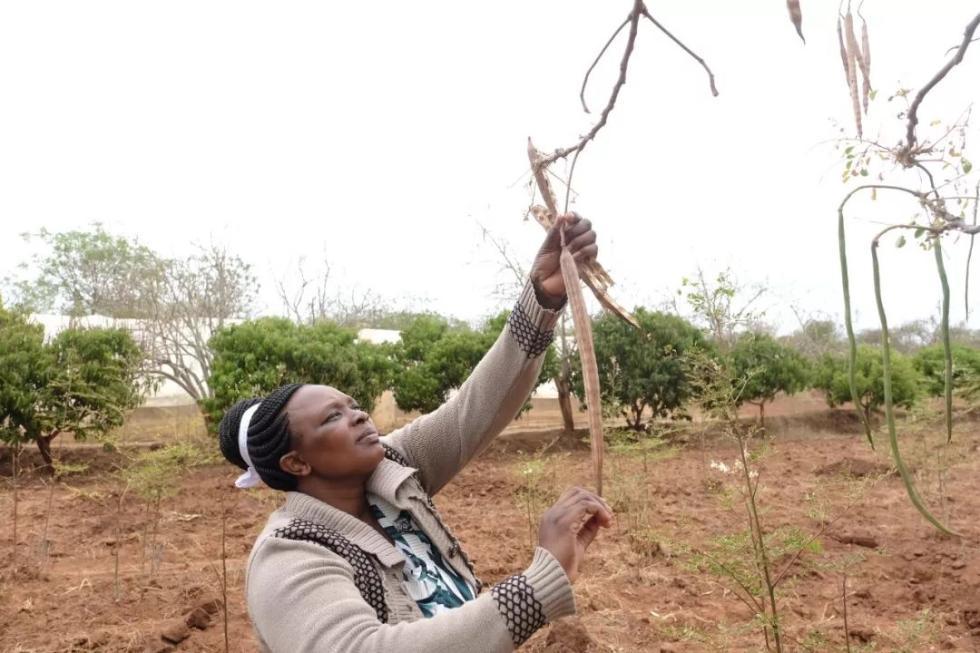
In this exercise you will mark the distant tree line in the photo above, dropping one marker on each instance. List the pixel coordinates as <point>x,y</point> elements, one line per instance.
<point>190,320</point>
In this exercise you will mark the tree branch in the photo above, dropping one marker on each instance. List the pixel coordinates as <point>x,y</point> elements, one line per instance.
<point>913,115</point>
<point>711,75</point>
<point>638,11</point>
<point>585,80</point>
<point>634,21</point>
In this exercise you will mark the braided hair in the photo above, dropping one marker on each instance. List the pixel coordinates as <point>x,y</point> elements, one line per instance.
<point>268,437</point>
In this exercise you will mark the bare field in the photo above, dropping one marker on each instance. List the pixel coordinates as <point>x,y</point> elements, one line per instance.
<point>909,589</point>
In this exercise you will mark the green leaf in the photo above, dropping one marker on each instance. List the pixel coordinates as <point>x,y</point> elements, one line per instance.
<point>900,242</point>
<point>967,166</point>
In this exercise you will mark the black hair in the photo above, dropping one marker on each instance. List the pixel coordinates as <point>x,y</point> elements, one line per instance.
<point>268,437</point>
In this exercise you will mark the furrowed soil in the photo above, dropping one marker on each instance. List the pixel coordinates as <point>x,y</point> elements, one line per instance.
<point>908,588</point>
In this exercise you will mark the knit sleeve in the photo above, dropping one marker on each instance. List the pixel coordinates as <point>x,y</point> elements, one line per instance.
<point>443,442</point>
<point>303,598</point>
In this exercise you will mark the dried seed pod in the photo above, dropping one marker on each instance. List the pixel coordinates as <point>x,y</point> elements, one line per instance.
<point>843,50</point>
<point>796,15</point>
<point>865,64</point>
<point>586,350</point>
<point>594,275</point>
<point>853,62</point>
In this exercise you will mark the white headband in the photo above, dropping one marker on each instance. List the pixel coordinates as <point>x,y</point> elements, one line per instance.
<point>251,477</point>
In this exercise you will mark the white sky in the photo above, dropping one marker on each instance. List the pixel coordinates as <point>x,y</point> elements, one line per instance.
<point>379,133</point>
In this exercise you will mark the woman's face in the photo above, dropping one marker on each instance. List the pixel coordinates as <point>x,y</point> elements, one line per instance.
<point>332,437</point>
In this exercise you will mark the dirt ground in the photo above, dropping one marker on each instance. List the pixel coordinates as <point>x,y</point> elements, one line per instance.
<point>908,588</point>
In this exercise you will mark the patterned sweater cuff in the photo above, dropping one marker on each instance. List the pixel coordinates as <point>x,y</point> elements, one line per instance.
<point>532,324</point>
<point>551,585</point>
<point>540,595</point>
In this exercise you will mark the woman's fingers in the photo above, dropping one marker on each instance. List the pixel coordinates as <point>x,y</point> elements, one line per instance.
<point>587,253</point>
<point>578,505</point>
<point>593,507</point>
<point>577,242</point>
<point>569,221</point>
<point>575,227</point>
<point>588,531</point>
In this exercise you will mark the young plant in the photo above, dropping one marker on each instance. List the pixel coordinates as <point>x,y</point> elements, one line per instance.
<point>15,449</point>
<point>61,471</point>
<point>116,589</point>
<point>629,494</point>
<point>534,492</point>
<point>155,476</point>
<point>745,557</point>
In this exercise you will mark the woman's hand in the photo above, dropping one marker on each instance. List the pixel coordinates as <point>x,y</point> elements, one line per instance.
<point>546,271</point>
<point>568,527</point>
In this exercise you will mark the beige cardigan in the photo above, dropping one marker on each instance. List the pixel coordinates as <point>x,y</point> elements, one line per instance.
<point>319,579</point>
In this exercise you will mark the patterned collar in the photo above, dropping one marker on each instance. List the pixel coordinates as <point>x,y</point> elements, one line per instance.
<point>388,482</point>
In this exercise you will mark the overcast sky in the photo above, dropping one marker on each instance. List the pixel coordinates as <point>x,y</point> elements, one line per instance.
<point>378,134</point>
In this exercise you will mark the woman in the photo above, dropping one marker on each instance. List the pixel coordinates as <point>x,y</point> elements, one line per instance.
<point>358,559</point>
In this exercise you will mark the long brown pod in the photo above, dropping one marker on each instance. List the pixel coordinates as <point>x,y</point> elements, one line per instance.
<point>865,63</point>
<point>583,326</point>
<point>843,50</point>
<point>853,65</point>
<point>590,371</point>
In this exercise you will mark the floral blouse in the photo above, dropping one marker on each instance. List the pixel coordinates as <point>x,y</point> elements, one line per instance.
<point>432,583</point>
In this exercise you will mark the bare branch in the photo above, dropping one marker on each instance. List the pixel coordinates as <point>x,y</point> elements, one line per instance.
<point>509,263</point>
<point>585,80</point>
<point>913,114</point>
<point>955,47</point>
<point>634,21</point>
<point>711,75</point>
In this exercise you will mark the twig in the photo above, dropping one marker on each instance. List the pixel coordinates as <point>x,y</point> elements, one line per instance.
<point>571,171</point>
<point>813,538</point>
<point>955,47</point>
<point>843,597</point>
<point>585,80</point>
<point>932,181</point>
<point>913,114</point>
<point>594,276</point>
<point>711,75</point>
<point>755,605</point>
<point>638,11</point>
<point>634,20</point>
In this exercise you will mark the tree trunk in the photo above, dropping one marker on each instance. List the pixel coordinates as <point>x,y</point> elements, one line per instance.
<point>44,446</point>
<point>762,414</point>
<point>637,422</point>
<point>565,403</point>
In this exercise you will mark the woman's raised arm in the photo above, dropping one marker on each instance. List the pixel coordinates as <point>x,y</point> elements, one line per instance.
<point>441,443</point>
